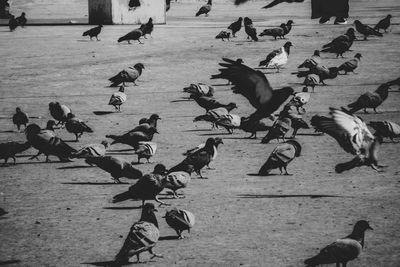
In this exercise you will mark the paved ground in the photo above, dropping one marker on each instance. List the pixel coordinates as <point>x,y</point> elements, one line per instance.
<point>60,215</point>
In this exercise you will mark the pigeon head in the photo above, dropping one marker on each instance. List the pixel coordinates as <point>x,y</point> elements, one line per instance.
<point>290,22</point>
<point>389,16</point>
<point>296,146</point>
<point>316,53</point>
<point>358,55</point>
<point>121,89</point>
<point>231,106</point>
<point>148,214</point>
<point>139,66</point>
<point>154,117</point>
<point>150,20</point>
<point>305,89</point>
<point>351,33</point>
<point>104,143</point>
<point>209,2</point>
<point>50,125</point>
<point>18,109</point>
<point>210,143</point>
<point>70,116</point>
<point>383,90</point>
<point>32,129</point>
<point>362,226</point>
<point>240,19</point>
<point>357,23</point>
<point>247,21</point>
<point>218,140</point>
<point>239,61</point>
<point>288,44</point>
<point>160,169</point>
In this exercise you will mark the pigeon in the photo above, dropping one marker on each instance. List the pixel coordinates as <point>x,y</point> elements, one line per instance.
<point>50,128</point>
<point>205,9</point>
<point>218,141</point>
<point>47,144</point>
<point>215,114</point>
<point>130,74</point>
<point>253,127</point>
<point>10,149</point>
<point>249,29</point>
<point>229,122</point>
<point>313,61</point>
<point>198,159</point>
<point>179,179</point>
<point>59,112</point>
<point>93,32</point>
<point>76,126</point>
<point>254,86</point>
<point>278,130</point>
<point>353,136</point>
<point>180,220</point>
<point>223,35</point>
<point>12,23</point>
<point>209,103</point>
<point>277,58</point>
<point>148,28</point>
<point>22,20</point>
<point>272,4</point>
<point>3,212</point>
<point>294,111</point>
<point>146,123</point>
<point>312,80</point>
<point>117,167</point>
<point>147,188</point>
<point>385,129</point>
<point>350,65</point>
<point>133,138</point>
<point>342,250</point>
<point>132,35</point>
<point>133,4</point>
<point>323,73</point>
<point>383,24</point>
<point>287,27</point>
<point>146,150</point>
<point>280,157</point>
<point>366,30</point>
<point>236,26</point>
<point>91,150</point>
<point>370,100</point>
<point>302,97</point>
<point>200,88</point>
<point>274,32</point>
<point>118,98</point>
<point>340,44</point>
<point>20,118</point>
<point>142,236</point>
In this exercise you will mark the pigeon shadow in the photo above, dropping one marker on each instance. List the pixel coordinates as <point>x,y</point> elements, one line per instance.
<point>9,262</point>
<point>7,131</point>
<point>287,196</point>
<point>39,162</point>
<point>181,100</point>
<point>261,175</point>
<point>120,150</point>
<point>169,237</point>
<point>76,167</point>
<point>126,154</point>
<point>103,112</point>
<point>122,208</point>
<point>93,183</point>
<point>197,130</point>
<point>106,263</point>
<point>211,134</point>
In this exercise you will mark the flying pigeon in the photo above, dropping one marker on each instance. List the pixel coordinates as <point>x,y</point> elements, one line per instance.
<point>76,126</point>
<point>180,220</point>
<point>115,166</point>
<point>280,157</point>
<point>218,141</point>
<point>47,143</point>
<point>236,26</point>
<point>254,86</point>
<point>147,188</point>
<point>198,159</point>
<point>93,32</point>
<point>278,130</point>
<point>342,250</point>
<point>59,112</point>
<point>223,35</point>
<point>10,149</point>
<point>132,35</point>
<point>249,29</point>
<point>274,32</point>
<point>133,4</point>
<point>133,138</point>
<point>200,88</point>
<point>12,23</point>
<point>350,65</point>
<point>179,179</point>
<point>118,98</point>
<point>142,237</point>
<point>146,150</point>
<point>278,57</point>
<point>340,44</point>
<point>20,118</point>
<point>205,9</point>
<point>385,129</point>
<point>91,150</point>
<point>22,19</point>
<point>353,136</point>
<point>370,100</point>
<point>130,74</point>
<point>383,24</point>
<point>366,30</point>
<point>148,28</point>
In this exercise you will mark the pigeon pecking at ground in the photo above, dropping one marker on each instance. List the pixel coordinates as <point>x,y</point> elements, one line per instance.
<point>342,250</point>
<point>93,32</point>
<point>146,150</point>
<point>205,9</point>
<point>118,98</point>
<point>179,179</point>
<point>133,138</point>
<point>59,112</point>
<point>76,126</point>
<point>180,220</point>
<point>91,150</point>
<point>223,35</point>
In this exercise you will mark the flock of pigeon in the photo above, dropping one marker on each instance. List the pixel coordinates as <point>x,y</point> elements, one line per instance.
<point>350,131</point>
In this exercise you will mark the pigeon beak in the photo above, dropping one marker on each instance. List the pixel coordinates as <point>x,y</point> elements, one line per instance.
<point>155,210</point>
<point>370,228</point>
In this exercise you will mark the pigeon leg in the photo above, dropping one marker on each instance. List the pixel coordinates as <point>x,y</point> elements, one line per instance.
<point>180,236</point>
<point>97,39</point>
<point>47,158</point>
<point>76,137</point>
<point>144,36</point>
<point>139,41</point>
<point>15,162</point>
<point>176,195</point>
<point>375,110</point>
<point>129,41</point>
<point>286,172</point>
<point>36,156</point>
<point>161,203</point>
<point>365,111</point>
<point>138,259</point>
<point>154,254</point>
